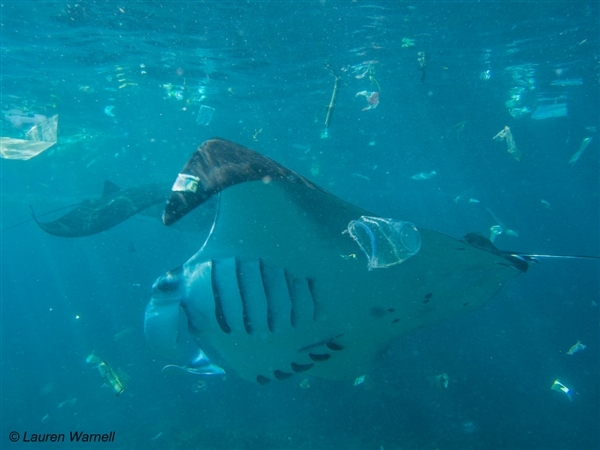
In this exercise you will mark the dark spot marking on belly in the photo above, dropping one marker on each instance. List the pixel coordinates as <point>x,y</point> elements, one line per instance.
<point>301,367</point>
<point>262,380</point>
<point>318,357</point>
<point>333,346</point>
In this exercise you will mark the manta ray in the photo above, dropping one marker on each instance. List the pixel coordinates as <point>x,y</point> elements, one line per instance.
<point>293,280</point>
<point>114,206</point>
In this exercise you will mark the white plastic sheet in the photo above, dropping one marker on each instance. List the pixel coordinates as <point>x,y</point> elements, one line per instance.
<point>39,138</point>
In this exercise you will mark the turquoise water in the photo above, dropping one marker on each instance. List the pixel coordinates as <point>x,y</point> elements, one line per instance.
<point>127,81</point>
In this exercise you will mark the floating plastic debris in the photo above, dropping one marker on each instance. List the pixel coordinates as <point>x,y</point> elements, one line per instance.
<point>505,134</point>
<point>39,138</point>
<point>157,436</point>
<point>331,105</point>
<point>372,99</point>
<point>385,242</point>
<point>424,175</point>
<point>495,230</point>
<point>548,111</point>
<point>577,347</point>
<point>579,152</point>
<point>361,70</point>
<point>408,43</point>
<point>567,82</point>
<point>501,227</point>
<point>422,65</point>
<point>108,110</point>
<point>69,402</point>
<point>439,381</point>
<point>359,380</point>
<point>205,115</point>
<point>111,379</point>
<point>123,333</point>
<point>559,387</point>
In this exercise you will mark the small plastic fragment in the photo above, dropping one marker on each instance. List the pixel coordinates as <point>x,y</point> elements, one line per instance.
<point>577,347</point>
<point>108,110</point>
<point>559,387</point>
<point>439,381</point>
<point>505,134</point>
<point>205,115</point>
<point>495,230</point>
<point>424,175</point>
<point>579,152</point>
<point>359,380</point>
<point>185,183</point>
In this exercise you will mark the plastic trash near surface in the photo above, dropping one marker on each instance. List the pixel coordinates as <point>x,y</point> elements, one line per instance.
<point>559,387</point>
<point>385,242</point>
<point>506,135</point>
<point>38,139</point>
<point>372,99</point>
<point>439,381</point>
<point>205,115</point>
<point>586,141</point>
<point>424,175</point>
<point>577,347</point>
<point>549,111</point>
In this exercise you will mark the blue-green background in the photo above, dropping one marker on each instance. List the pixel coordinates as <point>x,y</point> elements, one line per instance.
<point>267,68</point>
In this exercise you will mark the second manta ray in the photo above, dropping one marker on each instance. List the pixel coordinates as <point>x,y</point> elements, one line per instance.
<point>114,206</point>
<point>292,279</point>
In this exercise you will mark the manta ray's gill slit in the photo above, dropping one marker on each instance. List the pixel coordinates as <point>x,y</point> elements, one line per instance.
<point>265,286</point>
<point>278,297</point>
<point>219,315</point>
<point>311,289</point>
<point>244,296</point>
<point>293,300</point>
<point>303,304</point>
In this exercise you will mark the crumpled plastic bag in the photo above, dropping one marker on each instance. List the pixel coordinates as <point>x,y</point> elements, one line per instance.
<point>39,138</point>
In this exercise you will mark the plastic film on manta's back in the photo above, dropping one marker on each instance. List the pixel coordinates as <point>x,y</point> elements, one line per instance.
<point>385,242</point>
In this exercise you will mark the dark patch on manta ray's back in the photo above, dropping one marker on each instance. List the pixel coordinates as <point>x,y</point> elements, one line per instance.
<point>219,164</point>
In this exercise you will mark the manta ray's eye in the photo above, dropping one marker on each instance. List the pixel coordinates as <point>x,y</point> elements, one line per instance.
<point>167,283</point>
